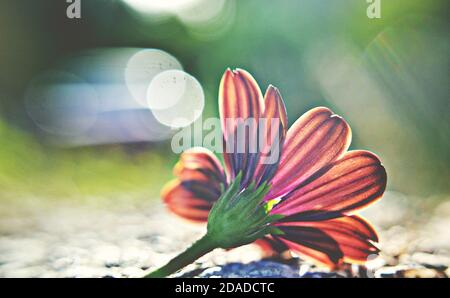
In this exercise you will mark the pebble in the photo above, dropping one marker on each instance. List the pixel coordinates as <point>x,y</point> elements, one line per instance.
<point>264,269</point>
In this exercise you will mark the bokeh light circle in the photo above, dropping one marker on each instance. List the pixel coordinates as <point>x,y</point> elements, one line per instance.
<point>166,89</point>
<point>159,6</point>
<point>183,92</point>
<point>142,67</point>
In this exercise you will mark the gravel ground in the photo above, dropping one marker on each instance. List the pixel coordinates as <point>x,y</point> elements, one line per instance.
<point>128,240</point>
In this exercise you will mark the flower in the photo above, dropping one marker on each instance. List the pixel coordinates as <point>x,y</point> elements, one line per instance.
<point>316,183</point>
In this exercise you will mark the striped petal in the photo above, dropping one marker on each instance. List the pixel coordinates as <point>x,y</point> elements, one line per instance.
<point>272,134</point>
<point>312,243</point>
<point>186,203</point>
<point>315,140</point>
<point>240,105</point>
<point>348,184</point>
<point>354,235</point>
<point>200,164</point>
<point>271,246</point>
<point>197,187</point>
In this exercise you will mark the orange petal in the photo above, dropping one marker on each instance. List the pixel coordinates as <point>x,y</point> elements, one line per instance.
<point>272,135</point>
<point>274,107</point>
<point>239,97</point>
<point>354,235</point>
<point>316,139</point>
<point>348,184</point>
<point>312,243</point>
<point>184,203</point>
<point>271,246</point>
<point>240,100</point>
<point>200,164</point>
<point>200,177</point>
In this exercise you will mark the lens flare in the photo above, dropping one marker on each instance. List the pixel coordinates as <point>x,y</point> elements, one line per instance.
<point>166,89</point>
<point>183,91</point>
<point>99,96</point>
<point>142,67</point>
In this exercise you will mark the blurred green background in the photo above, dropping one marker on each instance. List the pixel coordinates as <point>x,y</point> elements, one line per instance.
<point>387,77</point>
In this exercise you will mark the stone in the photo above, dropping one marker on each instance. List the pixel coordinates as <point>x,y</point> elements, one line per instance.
<point>258,269</point>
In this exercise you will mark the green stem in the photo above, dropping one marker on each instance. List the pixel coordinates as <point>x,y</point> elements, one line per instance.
<point>203,246</point>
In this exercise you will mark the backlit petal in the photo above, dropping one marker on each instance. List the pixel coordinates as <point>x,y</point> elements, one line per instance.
<point>200,178</point>
<point>271,246</point>
<point>272,134</point>
<point>312,243</point>
<point>348,184</point>
<point>316,139</point>
<point>186,203</point>
<point>240,105</point>
<point>354,235</point>
<point>200,164</point>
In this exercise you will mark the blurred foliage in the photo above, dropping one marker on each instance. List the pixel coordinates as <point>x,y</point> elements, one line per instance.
<point>277,42</point>
<point>28,168</point>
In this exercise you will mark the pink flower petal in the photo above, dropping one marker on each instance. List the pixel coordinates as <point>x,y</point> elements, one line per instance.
<point>198,186</point>
<point>354,235</point>
<point>240,103</point>
<point>312,243</point>
<point>272,135</point>
<point>348,184</point>
<point>316,139</point>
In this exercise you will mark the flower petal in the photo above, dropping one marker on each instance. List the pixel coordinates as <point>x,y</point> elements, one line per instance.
<point>272,135</point>
<point>240,106</point>
<point>200,178</point>
<point>186,203</point>
<point>200,164</point>
<point>311,243</point>
<point>274,107</point>
<point>354,235</point>
<point>348,184</point>
<point>316,139</point>
<point>271,246</point>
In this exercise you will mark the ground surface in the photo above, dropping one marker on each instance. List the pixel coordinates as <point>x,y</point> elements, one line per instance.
<point>128,240</point>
